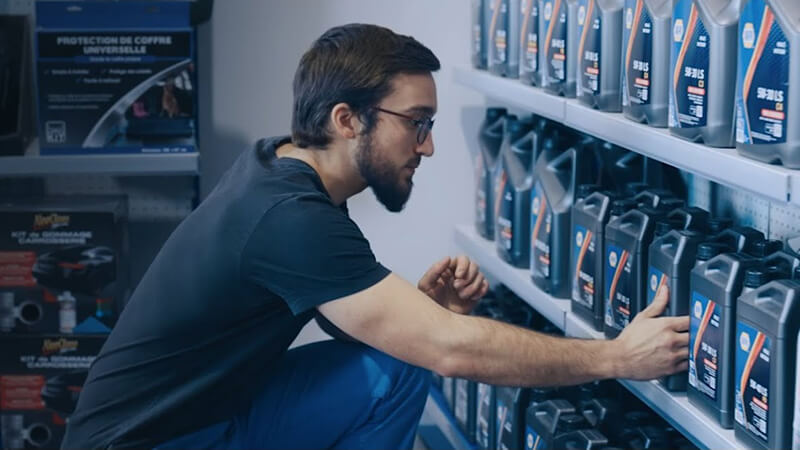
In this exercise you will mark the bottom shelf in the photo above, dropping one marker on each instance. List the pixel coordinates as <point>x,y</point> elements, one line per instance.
<point>438,428</point>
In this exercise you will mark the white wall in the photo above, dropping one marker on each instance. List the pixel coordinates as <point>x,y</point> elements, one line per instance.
<point>249,53</point>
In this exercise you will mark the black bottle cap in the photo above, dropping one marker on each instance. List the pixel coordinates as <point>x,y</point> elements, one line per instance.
<point>585,190</point>
<point>571,422</point>
<point>718,224</point>
<point>664,226</point>
<point>708,250</point>
<point>620,207</point>
<point>779,273</point>
<point>764,248</point>
<point>668,204</point>
<point>755,277</point>
<point>637,418</point>
<point>493,114</point>
<point>632,189</point>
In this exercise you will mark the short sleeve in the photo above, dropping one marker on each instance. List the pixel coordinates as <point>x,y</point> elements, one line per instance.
<point>308,252</point>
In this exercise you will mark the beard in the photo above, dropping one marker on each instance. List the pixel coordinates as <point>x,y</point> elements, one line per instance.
<point>391,187</point>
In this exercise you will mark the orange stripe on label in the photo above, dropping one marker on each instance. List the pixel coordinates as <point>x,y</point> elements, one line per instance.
<point>524,30</point>
<point>539,217</point>
<point>556,12</point>
<point>748,366</point>
<point>495,16</point>
<point>766,25</point>
<point>499,195</point>
<point>586,241</point>
<point>702,330</point>
<point>634,30</point>
<point>586,26</point>
<point>617,273</point>
<point>687,41</point>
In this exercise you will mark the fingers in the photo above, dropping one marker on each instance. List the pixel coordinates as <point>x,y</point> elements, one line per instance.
<point>681,340</point>
<point>429,280</point>
<point>465,272</point>
<point>682,366</point>
<point>679,324</point>
<point>659,303</point>
<point>472,290</point>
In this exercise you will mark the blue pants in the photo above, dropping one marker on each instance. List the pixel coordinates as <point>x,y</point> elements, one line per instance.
<point>329,394</point>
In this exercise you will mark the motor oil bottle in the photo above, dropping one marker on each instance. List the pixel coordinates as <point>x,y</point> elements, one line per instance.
<point>558,175</point>
<point>602,413</point>
<point>704,49</point>
<point>632,189</point>
<point>529,43</point>
<point>623,168</point>
<point>464,406</point>
<point>503,43</point>
<point>589,219</point>
<point>558,35</point>
<point>599,54</point>
<point>448,390</point>
<point>652,197</point>
<point>739,239</point>
<point>646,437</point>
<point>628,239</point>
<point>480,35</point>
<point>513,204</point>
<point>511,403</point>
<point>485,416</point>
<point>490,140</point>
<point>672,258</point>
<point>589,439</point>
<point>549,420</point>
<point>762,249</point>
<point>646,50</point>
<point>769,42</point>
<point>687,218</point>
<point>717,224</point>
<point>767,324</point>
<point>515,129</point>
<point>715,285</point>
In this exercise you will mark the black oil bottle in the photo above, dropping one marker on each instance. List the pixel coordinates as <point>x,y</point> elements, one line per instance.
<point>490,140</point>
<point>715,286</point>
<point>465,396</point>
<point>646,50</point>
<point>558,175</point>
<point>628,240</point>
<point>559,44</point>
<point>529,43</point>
<point>510,423</point>
<point>589,439</point>
<point>515,128</point>
<point>485,416</point>
<point>503,54</point>
<point>672,258</point>
<point>589,219</point>
<point>599,54</point>
<point>767,325</point>
<point>548,420</point>
<point>513,204</point>
<point>480,36</point>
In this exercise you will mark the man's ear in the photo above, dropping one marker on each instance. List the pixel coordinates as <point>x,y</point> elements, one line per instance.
<point>344,122</point>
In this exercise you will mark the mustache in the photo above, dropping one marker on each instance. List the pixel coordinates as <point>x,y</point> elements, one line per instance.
<point>415,163</point>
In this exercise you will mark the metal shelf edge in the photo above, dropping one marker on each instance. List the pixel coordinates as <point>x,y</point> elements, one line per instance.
<point>133,165</point>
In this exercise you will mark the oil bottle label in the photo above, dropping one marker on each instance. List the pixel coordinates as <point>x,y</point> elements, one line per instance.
<point>483,415</point>
<point>500,181</point>
<point>637,38</point>
<point>753,351</point>
<point>762,85</point>
<point>533,441</point>
<point>503,422</point>
<point>460,409</point>
<point>477,27</point>
<point>584,248</point>
<point>619,287</point>
<point>482,186</point>
<point>655,279</point>
<point>541,231</point>
<point>529,36</point>
<point>705,344</point>
<point>690,60</point>
<point>505,224</point>
<point>498,30</point>
<point>589,48</point>
<point>555,42</point>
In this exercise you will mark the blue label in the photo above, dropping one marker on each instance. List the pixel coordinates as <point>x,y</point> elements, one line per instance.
<point>541,231</point>
<point>705,344</point>
<point>504,227</point>
<point>530,36</point>
<point>499,31</point>
<point>584,246</point>
<point>690,61</point>
<point>555,40</point>
<point>499,186</point>
<point>655,279</point>
<point>533,441</point>
<point>751,398</point>
<point>762,83</point>
<point>589,47</point>
<point>503,413</point>
<point>483,415</point>
<point>618,287</point>
<point>637,47</point>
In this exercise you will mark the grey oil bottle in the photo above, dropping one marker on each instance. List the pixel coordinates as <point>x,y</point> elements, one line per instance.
<point>480,33</point>
<point>490,140</point>
<point>646,49</point>
<point>599,54</point>
<point>513,204</point>
<point>558,175</point>
<point>702,91</point>
<point>559,40</point>
<point>769,41</point>
<point>767,324</point>
<point>503,52</point>
<point>529,42</point>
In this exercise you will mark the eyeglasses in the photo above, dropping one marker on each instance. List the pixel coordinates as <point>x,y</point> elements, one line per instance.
<point>423,125</point>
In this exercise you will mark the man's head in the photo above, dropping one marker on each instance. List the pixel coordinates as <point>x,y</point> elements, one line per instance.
<point>374,88</point>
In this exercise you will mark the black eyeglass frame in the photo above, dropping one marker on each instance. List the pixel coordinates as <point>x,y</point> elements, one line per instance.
<point>423,125</point>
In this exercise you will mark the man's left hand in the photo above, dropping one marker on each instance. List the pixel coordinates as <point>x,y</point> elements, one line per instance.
<point>455,283</point>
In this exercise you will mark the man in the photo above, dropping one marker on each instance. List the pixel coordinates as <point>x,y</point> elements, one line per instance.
<point>199,357</point>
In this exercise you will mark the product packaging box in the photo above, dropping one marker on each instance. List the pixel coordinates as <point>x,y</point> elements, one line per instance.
<point>40,380</point>
<point>16,91</point>
<point>63,264</point>
<point>116,77</point>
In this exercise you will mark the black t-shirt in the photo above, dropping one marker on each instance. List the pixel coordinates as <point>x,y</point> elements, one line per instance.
<point>221,303</point>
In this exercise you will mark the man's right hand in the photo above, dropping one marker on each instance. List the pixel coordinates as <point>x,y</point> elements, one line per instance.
<point>652,346</point>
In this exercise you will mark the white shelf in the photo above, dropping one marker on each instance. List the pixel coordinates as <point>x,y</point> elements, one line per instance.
<point>484,253</point>
<point>724,166</point>
<point>674,407</point>
<point>120,165</point>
